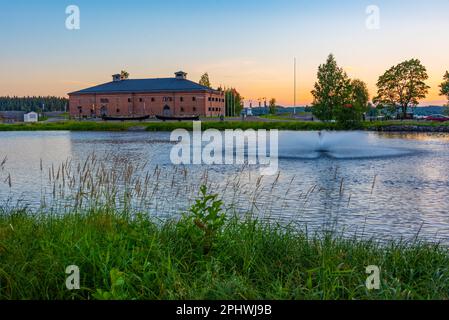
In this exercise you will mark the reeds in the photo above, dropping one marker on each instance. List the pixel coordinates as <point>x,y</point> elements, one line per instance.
<point>116,218</point>
<point>249,259</point>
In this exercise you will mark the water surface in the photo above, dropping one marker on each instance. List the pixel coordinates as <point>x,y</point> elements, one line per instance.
<point>379,185</point>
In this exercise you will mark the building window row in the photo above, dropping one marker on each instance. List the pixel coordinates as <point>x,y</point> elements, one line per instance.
<point>164,99</point>
<point>214,109</point>
<point>216,99</point>
<point>193,109</point>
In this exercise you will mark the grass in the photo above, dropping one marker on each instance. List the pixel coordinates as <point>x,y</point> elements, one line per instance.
<point>203,255</point>
<point>292,125</point>
<point>163,126</point>
<point>288,116</point>
<point>376,125</point>
<point>68,126</point>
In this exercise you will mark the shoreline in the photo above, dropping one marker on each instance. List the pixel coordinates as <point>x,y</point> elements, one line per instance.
<point>387,126</point>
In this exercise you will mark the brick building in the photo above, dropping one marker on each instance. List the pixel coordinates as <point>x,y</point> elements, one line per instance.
<point>141,97</point>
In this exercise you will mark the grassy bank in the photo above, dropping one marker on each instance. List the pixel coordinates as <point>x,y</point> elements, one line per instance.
<point>293,125</point>
<point>164,126</point>
<point>68,126</point>
<point>203,256</point>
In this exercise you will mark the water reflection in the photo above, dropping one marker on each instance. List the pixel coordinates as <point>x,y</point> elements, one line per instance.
<point>383,185</point>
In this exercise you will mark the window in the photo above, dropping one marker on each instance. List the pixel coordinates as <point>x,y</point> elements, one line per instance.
<point>210,99</point>
<point>182,99</point>
<point>118,110</point>
<point>140,100</point>
<point>182,109</point>
<point>152,99</point>
<point>104,100</point>
<point>129,99</point>
<point>194,109</point>
<point>193,98</point>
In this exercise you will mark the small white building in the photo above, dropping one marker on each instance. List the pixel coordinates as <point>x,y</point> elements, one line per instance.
<point>31,117</point>
<point>248,112</point>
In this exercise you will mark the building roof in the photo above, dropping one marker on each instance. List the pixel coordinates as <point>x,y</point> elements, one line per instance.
<point>145,86</point>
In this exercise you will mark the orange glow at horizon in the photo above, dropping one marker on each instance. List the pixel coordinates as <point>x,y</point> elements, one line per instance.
<point>254,79</point>
<point>251,88</point>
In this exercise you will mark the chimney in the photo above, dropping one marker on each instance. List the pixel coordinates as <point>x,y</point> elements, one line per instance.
<point>181,75</point>
<point>116,77</point>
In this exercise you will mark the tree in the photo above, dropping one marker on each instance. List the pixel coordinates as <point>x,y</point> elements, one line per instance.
<point>402,86</point>
<point>444,87</point>
<point>124,74</point>
<point>444,91</point>
<point>273,106</point>
<point>28,104</point>
<point>331,90</point>
<point>233,102</point>
<point>204,81</point>
<point>349,115</point>
<point>359,93</point>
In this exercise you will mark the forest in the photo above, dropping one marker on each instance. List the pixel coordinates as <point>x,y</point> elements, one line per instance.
<point>47,104</point>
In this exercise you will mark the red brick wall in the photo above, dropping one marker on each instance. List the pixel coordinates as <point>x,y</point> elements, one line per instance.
<point>139,104</point>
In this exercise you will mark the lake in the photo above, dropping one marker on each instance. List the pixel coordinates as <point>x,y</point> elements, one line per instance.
<point>370,184</point>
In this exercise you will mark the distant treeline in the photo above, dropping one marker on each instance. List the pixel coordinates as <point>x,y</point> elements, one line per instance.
<point>33,104</point>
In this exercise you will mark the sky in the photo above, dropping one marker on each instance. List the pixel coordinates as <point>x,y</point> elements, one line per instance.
<point>246,44</point>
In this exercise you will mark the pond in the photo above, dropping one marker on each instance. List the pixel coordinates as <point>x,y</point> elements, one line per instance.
<point>370,184</point>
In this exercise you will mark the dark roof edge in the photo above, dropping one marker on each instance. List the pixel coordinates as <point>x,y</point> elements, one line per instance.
<point>143,91</point>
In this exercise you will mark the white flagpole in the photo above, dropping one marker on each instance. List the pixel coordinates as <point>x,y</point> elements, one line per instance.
<point>294,107</point>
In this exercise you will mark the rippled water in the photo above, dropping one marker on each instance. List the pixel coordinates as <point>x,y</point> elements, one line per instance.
<point>381,185</point>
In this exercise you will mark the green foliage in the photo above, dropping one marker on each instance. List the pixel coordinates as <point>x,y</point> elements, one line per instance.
<point>33,104</point>
<point>331,91</point>
<point>444,87</point>
<point>337,97</point>
<point>234,102</point>
<point>359,93</point>
<point>402,86</point>
<point>349,116</point>
<point>170,126</point>
<point>273,106</point>
<point>205,81</point>
<point>124,257</point>
<point>207,216</point>
<point>117,288</point>
<point>167,126</point>
<point>124,74</point>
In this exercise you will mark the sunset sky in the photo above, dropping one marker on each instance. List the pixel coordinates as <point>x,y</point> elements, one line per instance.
<point>246,44</point>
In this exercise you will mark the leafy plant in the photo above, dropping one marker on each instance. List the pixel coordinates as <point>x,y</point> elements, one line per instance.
<point>207,215</point>
<point>117,284</point>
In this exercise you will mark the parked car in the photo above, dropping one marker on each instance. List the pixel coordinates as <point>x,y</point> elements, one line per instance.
<point>437,118</point>
<point>417,117</point>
